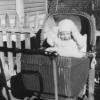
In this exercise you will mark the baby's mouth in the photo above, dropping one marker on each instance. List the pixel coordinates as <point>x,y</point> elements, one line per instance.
<point>64,38</point>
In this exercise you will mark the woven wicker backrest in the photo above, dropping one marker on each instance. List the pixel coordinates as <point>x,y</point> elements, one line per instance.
<point>66,6</point>
<point>77,6</point>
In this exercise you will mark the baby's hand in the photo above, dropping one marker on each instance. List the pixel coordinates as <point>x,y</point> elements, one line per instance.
<point>51,50</point>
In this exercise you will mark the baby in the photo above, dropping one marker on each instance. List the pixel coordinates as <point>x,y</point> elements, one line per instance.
<point>67,40</point>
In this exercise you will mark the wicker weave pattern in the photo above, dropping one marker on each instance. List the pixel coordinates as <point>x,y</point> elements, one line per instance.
<point>67,6</point>
<point>97,16</point>
<point>78,7</point>
<point>72,74</point>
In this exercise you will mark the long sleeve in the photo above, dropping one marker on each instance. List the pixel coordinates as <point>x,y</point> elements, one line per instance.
<point>80,39</point>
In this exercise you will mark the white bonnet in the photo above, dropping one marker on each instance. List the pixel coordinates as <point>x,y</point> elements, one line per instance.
<point>75,19</point>
<point>66,25</point>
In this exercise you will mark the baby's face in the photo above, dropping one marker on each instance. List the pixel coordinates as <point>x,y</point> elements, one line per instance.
<point>64,35</point>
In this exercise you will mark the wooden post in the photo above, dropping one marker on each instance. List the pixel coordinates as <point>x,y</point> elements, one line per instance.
<point>2,53</point>
<point>2,18</point>
<point>20,24</point>
<point>27,40</point>
<point>4,69</point>
<point>10,54</point>
<point>93,62</point>
<point>20,11</point>
<point>9,45</point>
<point>27,34</point>
<point>12,21</point>
<point>18,56</point>
<point>36,22</point>
<point>26,20</point>
<point>18,44</point>
<point>46,6</point>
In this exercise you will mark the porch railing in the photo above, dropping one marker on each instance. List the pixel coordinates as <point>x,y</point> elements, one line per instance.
<point>10,30</point>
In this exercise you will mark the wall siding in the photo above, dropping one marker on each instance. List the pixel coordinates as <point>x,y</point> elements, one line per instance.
<point>8,6</point>
<point>32,6</point>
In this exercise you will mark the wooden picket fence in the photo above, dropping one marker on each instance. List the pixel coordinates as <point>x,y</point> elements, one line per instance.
<point>12,30</point>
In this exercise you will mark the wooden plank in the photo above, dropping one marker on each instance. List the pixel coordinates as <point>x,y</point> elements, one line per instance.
<point>20,11</point>
<point>33,1</point>
<point>12,21</point>
<point>7,21</point>
<point>3,22</point>
<point>9,45</point>
<point>8,2</point>
<point>10,12</point>
<point>7,7</point>
<point>42,4</point>
<point>18,36</point>
<point>26,21</point>
<point>2,53</point>
<point>27,41</point>
<point>5,71</point>
<point>26,33</point>
<point>36,22</point>
<point>10,55</point>
<point>35,9</point>
<point>18,56</point>
<point>33,13</point>
<point>46,3</point>
<point>16,30</point>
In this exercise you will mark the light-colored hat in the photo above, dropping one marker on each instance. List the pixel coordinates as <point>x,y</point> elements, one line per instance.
<point>76,19</point>
<point>66,25</point>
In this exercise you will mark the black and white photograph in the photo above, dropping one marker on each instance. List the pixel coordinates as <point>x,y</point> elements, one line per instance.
<point>49,49</point>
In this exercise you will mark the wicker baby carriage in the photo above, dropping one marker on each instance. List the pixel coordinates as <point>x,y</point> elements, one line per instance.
<point>59,77</point>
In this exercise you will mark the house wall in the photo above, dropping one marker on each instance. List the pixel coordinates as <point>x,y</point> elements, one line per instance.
<point>36,10</point>
<point>8,6</point>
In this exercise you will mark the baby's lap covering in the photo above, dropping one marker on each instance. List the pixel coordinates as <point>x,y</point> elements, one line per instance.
<point>72,74</point>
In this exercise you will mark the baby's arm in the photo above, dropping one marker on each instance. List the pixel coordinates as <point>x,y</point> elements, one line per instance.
<point>80,39</point>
